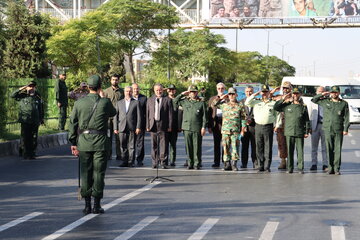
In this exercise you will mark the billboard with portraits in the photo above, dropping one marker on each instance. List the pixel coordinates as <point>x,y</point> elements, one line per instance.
<point>283,8</point>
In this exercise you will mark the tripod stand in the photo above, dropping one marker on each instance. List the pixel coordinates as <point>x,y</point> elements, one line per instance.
<point>157,177</point>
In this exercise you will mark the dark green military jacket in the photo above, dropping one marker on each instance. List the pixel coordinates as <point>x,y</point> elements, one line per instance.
<point>297,122</point>
<point>114,95</point>
<point>194,113</point>
<point>99,121</point>
<point>31,107</point>
<point>61,92</point>
<point>336,114</point>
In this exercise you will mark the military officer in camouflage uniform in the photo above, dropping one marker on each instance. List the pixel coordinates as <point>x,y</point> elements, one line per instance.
<point>31,115</point>
<point>233,124</point>
<point>115,94</point>
<point>336,124</point>
<point>193,124</point>
<point>61,95</point>
<point>297,126</point>
<point>88,138</point>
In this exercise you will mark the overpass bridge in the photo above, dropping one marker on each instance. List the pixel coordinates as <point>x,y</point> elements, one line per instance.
<point>195,14</point>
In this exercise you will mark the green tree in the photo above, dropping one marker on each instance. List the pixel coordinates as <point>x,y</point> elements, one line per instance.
<point>137,22</point>
<point>277,69</point>
<point>24,55</point>
<point>192,53</point>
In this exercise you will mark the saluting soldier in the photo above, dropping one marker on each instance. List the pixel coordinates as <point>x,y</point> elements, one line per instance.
<point>296,128</point>
<point>233,124</point>
<point>88,138</point>
<point>193,124</point>
<point>61,95</point>
<point>336,124</point>
<point>31,115</point>
<point>265,117</point>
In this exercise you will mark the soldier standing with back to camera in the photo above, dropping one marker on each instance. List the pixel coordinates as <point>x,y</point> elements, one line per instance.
<point>31,115</point>
<point>88,137</point>
<point>336,124</point>
<point>61,95</point>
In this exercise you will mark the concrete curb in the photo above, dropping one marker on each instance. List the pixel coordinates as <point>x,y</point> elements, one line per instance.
<point>46,141</point>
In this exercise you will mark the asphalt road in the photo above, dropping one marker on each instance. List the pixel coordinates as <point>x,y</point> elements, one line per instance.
<point>38,200</point>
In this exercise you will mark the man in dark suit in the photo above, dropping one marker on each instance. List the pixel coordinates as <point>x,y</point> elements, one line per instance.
<point>215,123</point>
<point>159,111</point>
<point>127,123</point>
<point>249,135</point>
<point>139,138</point>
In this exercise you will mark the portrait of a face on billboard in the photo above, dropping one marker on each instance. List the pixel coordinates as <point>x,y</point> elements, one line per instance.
<point>283,8</point>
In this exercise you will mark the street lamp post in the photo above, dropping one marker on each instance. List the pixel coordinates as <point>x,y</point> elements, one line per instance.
<point>282,49</point>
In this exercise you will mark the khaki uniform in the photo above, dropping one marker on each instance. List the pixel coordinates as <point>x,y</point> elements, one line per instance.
<point>297,124</point>
<point>335,122</point>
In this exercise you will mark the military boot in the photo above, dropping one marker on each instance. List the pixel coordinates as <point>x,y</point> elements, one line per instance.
<point>234,166</point>
<point>282,165</point>
<point>97,207</point>
<point>227,166</point>
<point>87,209</point>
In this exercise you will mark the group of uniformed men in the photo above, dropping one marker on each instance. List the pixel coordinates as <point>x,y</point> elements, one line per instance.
<point>128,114</point>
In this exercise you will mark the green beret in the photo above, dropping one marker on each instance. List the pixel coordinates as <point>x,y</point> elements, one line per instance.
<point>265,88</point>
<point>296,90</point>
<point>94,81</point>
<point>32,83</point>
<point>171,86</point>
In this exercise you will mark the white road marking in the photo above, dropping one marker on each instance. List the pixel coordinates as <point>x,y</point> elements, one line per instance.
<point>19,220</point>
<point>349,134</point>
<point>269,231</point>
<point>337,233</point>
<point>137,228</point>
<point>88,217</point>
<point>203,229</point>
<point>209,150</point>
<point>357,153</point>
<point>353,142</point>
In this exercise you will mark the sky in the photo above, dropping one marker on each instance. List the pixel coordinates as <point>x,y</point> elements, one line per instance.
<point>332,52</point>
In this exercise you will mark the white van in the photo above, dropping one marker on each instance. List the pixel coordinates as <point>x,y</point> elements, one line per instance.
<point>349,91</point>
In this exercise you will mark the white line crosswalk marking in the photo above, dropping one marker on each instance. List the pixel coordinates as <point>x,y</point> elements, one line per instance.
<point>203,229</point>
<point>337,233</point>
<point>353,142</point>
<point>269,231</point>
<point>19,220</point>
<point>357,153</point>
<point>88,217</point>
<point>137,228</point>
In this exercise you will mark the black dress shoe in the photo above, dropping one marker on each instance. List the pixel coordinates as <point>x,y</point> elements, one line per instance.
<point>215,165</point>
<point>198,167</point>
<point>331,172</point>
<point>290,171</point>
<point>261,169</point>
<point>313,168</point>
<point>186,164</point>
<point>268,170</point>
<point>337,173</point>
<point>154,166</point>
<point>140,164</point>
<point>172,164</point>
<point>124,164</point>
<point>131,165</point>
<point>190,167</point>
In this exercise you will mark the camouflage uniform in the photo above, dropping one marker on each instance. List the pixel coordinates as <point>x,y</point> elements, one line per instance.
<point>233,119</point>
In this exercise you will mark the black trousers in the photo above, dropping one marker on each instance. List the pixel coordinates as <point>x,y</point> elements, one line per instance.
<point>127,146</point>
<point>139,146</point>
<point>264,142</point>
<point>159,145</point>
<point>117,141</point>
<point>218,154</point>
<point>246,140</point>
<point>173,135</point>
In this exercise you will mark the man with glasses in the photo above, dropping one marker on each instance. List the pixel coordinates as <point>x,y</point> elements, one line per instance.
<point>215,123</point>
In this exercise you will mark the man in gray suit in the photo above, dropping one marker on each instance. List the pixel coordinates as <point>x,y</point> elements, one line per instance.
<point>317,133</point>
<point>159,111</point>
<point>127,123</point>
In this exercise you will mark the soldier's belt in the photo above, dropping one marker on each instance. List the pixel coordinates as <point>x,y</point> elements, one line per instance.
<point>91,131</point>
